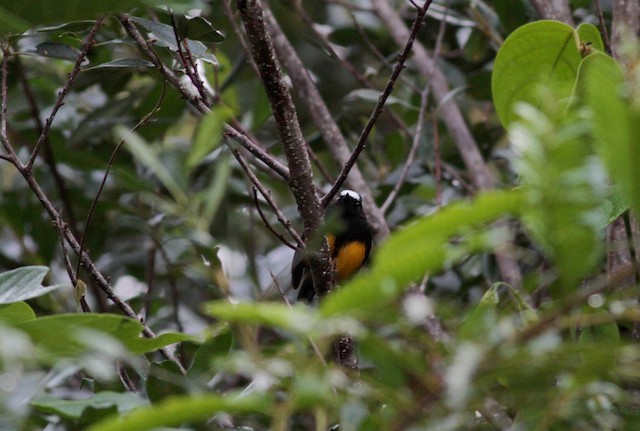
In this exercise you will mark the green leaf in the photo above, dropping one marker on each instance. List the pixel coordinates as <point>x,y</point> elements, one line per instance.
<point>70,334</point>
<point>176,410</point>
<point>144,153</point>
<point>198,28</point>
<point>298,319</point>
<point>542,53</point>
<point>24,283</point>
<point>73,409</point>
<point>60,51</point>
<point>165,36</point>
<point>616,123</point>
<point>209,134</point>
<point>16,312</point>
<point>403,259</point>
<point>590,36</point>
<point>565,184</point>
<point>141,345</point>
<point>122,63</point>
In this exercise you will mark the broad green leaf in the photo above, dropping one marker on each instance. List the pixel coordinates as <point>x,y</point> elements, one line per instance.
<point>16,312</point>
<point>419,248</point>
<point>208,135</point>
<point>215,192</point>
<point>214,347</point>
<point>164,380</point>
<point>73,409</point>
<point>69,334</point>
<point>148,157</point>
<point>565,184</point>
<point>616,123</point>
<point>542,53</point>
<point>298,319</point>
<point>176,410</point>
<point>24,283</point>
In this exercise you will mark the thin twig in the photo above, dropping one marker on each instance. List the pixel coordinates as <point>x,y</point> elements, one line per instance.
<point>144,120</point>
<point>424,97</point>
<point>263,216</point>
<point>86,46</point>
<point>48,155</point>
<point>437,160</point>
<point>417,24</point>
<point>603,28</point>
<point>267,196</point>
<point>189,64</point>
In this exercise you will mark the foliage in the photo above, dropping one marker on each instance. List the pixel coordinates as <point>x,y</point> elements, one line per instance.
<point>152,187</point>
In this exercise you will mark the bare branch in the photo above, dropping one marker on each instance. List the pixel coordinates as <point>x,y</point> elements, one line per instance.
<point>603,28</point>
<point>86,46</point>
<point>417,24</point>
<point>424,97</point>
<point>263,217</point>
<point>267,196</point>
<point>453,118</point>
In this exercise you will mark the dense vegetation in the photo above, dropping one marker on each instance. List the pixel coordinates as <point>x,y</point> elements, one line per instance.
<point>160,160</point>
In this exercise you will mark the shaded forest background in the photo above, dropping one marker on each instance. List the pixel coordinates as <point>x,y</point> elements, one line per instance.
<point>160,162</point>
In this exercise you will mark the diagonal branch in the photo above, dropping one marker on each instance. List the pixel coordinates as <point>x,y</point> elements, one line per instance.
<point>44,134</point>
<point>417,24</point>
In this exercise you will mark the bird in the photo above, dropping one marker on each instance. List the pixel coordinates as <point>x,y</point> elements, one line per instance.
<point>349,236</point>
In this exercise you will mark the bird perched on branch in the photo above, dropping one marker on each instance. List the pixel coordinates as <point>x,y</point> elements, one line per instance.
<point>349,237</point>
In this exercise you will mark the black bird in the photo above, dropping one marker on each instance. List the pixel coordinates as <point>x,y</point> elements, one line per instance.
<point>349,237</point>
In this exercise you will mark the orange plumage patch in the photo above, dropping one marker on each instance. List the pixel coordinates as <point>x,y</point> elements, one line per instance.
<point>349,260</point>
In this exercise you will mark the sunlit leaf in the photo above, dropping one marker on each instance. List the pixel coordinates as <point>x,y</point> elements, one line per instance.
<point>176,410</point>
<point>24,283</point>
<point>542,53</point>
<point>403,258</point>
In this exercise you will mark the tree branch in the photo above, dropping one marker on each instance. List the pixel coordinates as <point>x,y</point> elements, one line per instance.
<point>417,24</point>
<point>453,119</point>
<point>324,122</point>
<point>284,113</point>
<point>553,9</point>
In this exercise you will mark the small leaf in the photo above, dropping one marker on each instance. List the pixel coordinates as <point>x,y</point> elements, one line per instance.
<point>542,53</point>
<point>199,28</point>
<point>148,157</point>
<point>60,51</point>
<point>73,26</point>
<point>122,63</point>
<point>166,37</point>
<point>209,134</point>
<point>24,283</point>
<point>297,319</point>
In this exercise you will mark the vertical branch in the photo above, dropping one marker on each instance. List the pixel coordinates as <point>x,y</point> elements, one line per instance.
<point>553,9</point>
<point>324,122</point>
<point>284,113</point>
